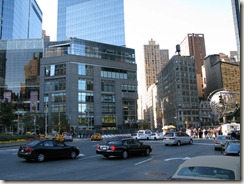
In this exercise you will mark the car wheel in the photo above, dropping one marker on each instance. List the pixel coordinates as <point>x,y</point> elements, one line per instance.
<point>73,155</point>
<point>166,144</point>
<point>191,141</point>
<point>155,138</point>
<point>125,154</point>
<point>40,157</point>
<point>178,143</point>
<point>147,152</point>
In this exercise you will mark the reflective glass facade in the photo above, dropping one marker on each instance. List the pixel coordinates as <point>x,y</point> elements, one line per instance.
<point>20,19</point>
<point>95,20</point>
<point>19,71</point>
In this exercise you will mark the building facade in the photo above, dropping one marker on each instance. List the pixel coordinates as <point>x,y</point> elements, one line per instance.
<point>221,75</point>
<point>94,84</point>
<point>94,20</point>
<point>19,77</point>
<point>154,61</point>
<point>177,82</point>
<point>194,45</point>
<point>237,25</point>
<point>20,19</point>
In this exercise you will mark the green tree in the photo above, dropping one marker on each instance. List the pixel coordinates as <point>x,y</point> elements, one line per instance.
<point>7,115</point>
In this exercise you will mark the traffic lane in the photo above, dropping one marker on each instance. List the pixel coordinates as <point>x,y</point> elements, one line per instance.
<point>95,167</point>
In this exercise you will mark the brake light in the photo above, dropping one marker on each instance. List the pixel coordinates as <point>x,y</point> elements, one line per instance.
<point>98,147</point>
<point>171,138</point>
<point>164,138</point>
<point>29,149</point>
<point>113,148</point>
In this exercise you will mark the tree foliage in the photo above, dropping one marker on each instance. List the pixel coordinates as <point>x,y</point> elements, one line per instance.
<point>7,115</point>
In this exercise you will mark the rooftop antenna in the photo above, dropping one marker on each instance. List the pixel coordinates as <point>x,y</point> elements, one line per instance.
<point>178,49</point>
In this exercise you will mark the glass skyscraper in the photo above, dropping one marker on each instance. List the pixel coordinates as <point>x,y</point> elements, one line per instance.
<point>94,20</point>
<point>19,71</point>
<point>20,19</point>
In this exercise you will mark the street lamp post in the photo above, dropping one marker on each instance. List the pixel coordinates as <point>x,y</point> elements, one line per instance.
<point>162,107</point>
<point>46,109</point>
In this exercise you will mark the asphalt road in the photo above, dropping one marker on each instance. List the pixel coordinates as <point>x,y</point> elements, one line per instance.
<point>160,165</point>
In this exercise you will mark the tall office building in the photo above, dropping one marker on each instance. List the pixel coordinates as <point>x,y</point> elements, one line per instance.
<point>154,61</point>
<point>19,72</point>
<point>94,20</point>
<point>20,19</point>
<point>94,84</point>
<point>177,82</point>
<point>194,45</point>
<point>237,24</point>
<point>220,74</point>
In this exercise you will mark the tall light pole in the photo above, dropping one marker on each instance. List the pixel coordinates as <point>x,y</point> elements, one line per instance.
<point>162,107</point>
<point>46,110</point>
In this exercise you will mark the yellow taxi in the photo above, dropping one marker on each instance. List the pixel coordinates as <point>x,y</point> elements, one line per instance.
<point>55,136</point>
<point>96,137</point>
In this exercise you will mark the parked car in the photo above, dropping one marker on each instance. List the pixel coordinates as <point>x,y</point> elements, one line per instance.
<point>67,136</point>
<point>229,142</point>
<point>96,137</point>
<point>220,140</point>
<point>232,149</point>
<point>209,167</point>
<point>176,138</point>
<point>156,136</point>
<point>123,148</point>
<point>42,150</point>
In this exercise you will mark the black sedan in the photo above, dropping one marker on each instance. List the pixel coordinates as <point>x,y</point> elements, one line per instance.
<point>41,150</point>
<point>123,148</point>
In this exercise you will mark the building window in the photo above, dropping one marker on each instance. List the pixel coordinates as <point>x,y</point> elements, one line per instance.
<point>85,84</point>
<point>85,70</point>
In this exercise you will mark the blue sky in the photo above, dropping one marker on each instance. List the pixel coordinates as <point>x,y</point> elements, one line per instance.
<point>167,22</point>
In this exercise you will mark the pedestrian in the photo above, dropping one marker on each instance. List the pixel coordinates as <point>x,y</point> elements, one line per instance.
<point>205,134</point>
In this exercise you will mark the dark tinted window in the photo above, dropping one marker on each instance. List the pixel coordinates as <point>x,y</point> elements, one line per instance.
<point>33,143</point>
<point>207,172</point>
<point>115,142</point>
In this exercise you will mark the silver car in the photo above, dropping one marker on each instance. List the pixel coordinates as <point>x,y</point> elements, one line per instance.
<point>220,141</point>
<point>176,138</point>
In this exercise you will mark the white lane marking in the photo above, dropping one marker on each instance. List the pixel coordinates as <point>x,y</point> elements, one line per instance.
<point>89,157</point>
<point>169,159</point>
<point>9,150</point>
<point>143,161</point>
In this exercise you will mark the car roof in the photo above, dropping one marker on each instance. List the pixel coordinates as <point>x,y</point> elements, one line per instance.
<point>218,161</point>
<point>232,163</point>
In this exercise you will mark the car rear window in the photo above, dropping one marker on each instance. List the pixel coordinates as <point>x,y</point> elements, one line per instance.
<point>115,142</point>
<point>207,172</point>
<point>169,135</point>
<point>33,143</point>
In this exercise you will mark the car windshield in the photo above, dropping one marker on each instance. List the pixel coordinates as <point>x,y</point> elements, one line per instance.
<point>33,143</point>
<point>207,172</point>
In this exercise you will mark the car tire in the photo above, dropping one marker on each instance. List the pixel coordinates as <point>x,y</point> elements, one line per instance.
<point>166,144</point>
<point>178,143</point>
<point>73,155</point>
<point>40,157</point>
<point>191,141</point>
<point>106,156</point>
<point>147,152</point>
<point>125,154</point>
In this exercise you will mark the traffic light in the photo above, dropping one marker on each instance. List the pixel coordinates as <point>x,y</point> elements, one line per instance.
<point>220,99</point>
